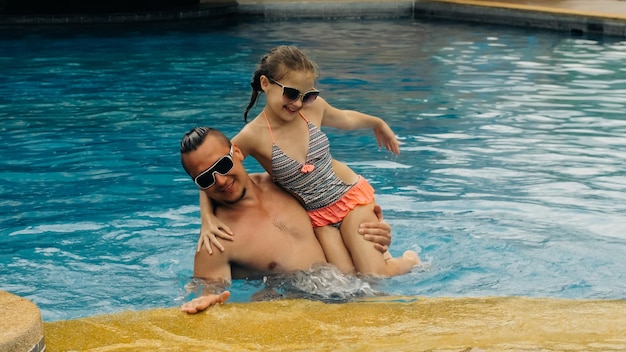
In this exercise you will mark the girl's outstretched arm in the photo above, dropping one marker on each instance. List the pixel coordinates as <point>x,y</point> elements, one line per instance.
<point>354,120</point>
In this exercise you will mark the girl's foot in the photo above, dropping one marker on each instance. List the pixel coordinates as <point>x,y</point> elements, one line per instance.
<point>412,256</point>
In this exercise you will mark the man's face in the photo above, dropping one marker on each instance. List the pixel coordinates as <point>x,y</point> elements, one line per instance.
<point>212,159</point>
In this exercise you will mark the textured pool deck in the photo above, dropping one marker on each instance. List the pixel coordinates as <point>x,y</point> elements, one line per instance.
<point>489,324</point>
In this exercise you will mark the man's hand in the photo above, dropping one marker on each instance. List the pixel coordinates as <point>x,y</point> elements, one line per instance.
<point>377,232</point>
<point>201,303</point>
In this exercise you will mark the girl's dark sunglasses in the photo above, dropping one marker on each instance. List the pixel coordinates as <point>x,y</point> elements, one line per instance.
<point>223,166</point>
<point>292,94</point>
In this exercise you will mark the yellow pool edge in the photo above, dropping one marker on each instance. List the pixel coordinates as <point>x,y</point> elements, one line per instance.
<point>392,324</point>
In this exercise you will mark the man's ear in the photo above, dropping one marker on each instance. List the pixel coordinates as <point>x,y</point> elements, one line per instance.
<point>238,152</point>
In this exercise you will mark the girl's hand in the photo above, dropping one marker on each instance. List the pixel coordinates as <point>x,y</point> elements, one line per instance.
<point>209,233</point>
<point>385,137</point>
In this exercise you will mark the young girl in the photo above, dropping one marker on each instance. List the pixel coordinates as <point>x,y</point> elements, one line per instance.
<point>285,138</point>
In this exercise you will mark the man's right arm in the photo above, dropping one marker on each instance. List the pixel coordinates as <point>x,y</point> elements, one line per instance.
<point>213,268</point>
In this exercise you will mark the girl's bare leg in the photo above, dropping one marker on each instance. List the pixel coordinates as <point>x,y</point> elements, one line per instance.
<point>334,248</point>
<point>367,260</point>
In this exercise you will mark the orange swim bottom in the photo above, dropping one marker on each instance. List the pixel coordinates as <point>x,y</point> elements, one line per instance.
<point>360,194</point>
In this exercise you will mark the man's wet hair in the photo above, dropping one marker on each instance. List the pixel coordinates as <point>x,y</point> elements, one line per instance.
<point>196,136</point>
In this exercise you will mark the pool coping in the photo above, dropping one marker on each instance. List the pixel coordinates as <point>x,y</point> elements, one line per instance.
<point>473,11</point>
<point>522,15</point>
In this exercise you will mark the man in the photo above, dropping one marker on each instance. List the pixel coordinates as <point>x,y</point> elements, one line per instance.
<point>274,233</point>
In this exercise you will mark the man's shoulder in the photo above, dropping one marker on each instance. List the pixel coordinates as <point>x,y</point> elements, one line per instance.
<point>262,178</point>
<point>268,187</point>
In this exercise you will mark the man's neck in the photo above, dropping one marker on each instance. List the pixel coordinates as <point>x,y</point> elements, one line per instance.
<point>243,195</point>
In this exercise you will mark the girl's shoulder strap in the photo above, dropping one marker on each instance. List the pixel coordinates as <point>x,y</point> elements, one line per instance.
<point>269,127</point>
<point>303,117</point>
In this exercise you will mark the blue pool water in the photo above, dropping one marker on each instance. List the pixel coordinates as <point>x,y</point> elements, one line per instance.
<point>511,178</point>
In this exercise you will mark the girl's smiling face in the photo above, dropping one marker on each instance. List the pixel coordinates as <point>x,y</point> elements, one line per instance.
<point>280,93</point>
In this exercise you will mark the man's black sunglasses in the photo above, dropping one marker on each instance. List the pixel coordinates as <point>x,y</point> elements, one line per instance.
<point>223,166</point>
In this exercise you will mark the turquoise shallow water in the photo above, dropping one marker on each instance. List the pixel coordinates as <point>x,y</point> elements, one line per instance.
<point>510,180</point>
